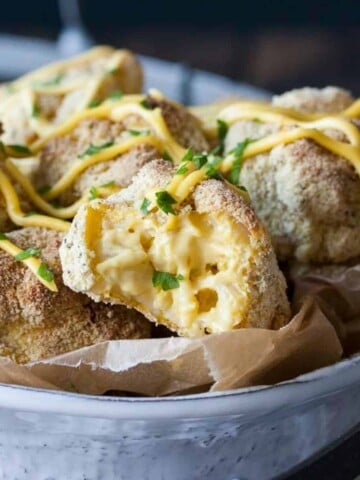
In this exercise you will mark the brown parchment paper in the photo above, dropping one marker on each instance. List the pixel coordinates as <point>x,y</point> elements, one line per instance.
<point>336,289</point>
<point>174,365</point>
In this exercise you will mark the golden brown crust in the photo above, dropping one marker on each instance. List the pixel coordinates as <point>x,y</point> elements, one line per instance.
<point>37,323</point>
<point>268,306</point>
<point>184,127</point>
<point>60,152</point>
<point>315,100</point>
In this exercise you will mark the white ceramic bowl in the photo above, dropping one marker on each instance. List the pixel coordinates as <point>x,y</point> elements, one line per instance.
<point>252,434</point>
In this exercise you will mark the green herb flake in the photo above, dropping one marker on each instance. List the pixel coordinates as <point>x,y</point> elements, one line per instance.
<point>3,236</point>
<point>166,281</point>
<point>212,172</point>
<point>199,160</point>
<point>28,253</point>
<point>216,150</point>
<point>52,82</point>
<point>145,104</point>
<point>222,128</point>
<point>257,120</point>
<point>108,184</point>
<point>181,170</point>
<point>93,193</point>
<point>35,112</point>
<point>238,153</point>
<point>21,149</point>
<point>30,214</point>
<point>92,149</point>
<point>44,189</point>
<point>144,207</point>
<point>166,156</point>
<point>241,187</point>
<point>45,273</point>
<point>115,95</point>
<point>3,154</point>
<point>94,103</point>
<point>138,133</point>
<point>188,156</point>
<point>113,70</point>
<point>9,88</point>
<point>165,201</point>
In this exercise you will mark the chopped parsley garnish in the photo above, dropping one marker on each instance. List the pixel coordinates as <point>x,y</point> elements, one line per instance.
<point>56,204</point>
<point>113,71</point>
<point>144,207</point>
<point>216,150</point>
<point>30,214</point>
<point>181,170</point>
<point>165,201</point>
<point>108,184</point>
<point>92,149</point>
<point>166,156</point>
<point>257,120</point>
<point>93,193</point>
<point>28,253</point>
<point>3,236</point>
<point>35,112</point>
<point>188,156</point>
<point>9,88</point>
<point>238,153</point>
<point>137,133</point>
<point>199,160</point>
<point>145,104</point>
<point>212,172</point>
<point>21,149</point>
<point>115,95</point>
<point>2,150</point>
<point>44,189</point>
<point>45,273</point>
<point>166,280</point>
<point>94,103</point>
<point>52,82</point>
<point>222,131</point>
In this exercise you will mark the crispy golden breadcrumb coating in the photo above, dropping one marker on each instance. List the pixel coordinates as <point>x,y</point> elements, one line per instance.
<point>36,323</point>
<point>216,249</point>
<point>185,127</point>
<point>308,197</point>
<point>60,152</point>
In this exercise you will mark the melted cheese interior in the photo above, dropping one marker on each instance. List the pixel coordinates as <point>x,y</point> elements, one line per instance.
<point>127,248</point>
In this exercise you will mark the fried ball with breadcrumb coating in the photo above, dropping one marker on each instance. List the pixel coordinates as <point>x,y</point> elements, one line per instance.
<point>61,152</point>
<point>308,197</point>
<point>209,268</point>
<point>54,93</point>
<point>36,323</point>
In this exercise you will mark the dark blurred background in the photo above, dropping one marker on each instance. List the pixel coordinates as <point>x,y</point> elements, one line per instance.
<point>273,44</point>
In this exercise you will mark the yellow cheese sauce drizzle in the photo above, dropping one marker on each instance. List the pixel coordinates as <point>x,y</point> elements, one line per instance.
<point>106,154</point>
<point>32,263</point>
<point>61,79</point>
<point>309,127</point>
<point>19,217</point>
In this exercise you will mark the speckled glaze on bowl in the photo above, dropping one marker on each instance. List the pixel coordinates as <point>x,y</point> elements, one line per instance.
<point>252,434</point>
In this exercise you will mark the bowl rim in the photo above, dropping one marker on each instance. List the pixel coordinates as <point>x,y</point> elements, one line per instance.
<point>337,378</point>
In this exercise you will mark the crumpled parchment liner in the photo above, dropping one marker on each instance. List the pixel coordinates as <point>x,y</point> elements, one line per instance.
<point>166,366</point>
<point>336,289</point>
